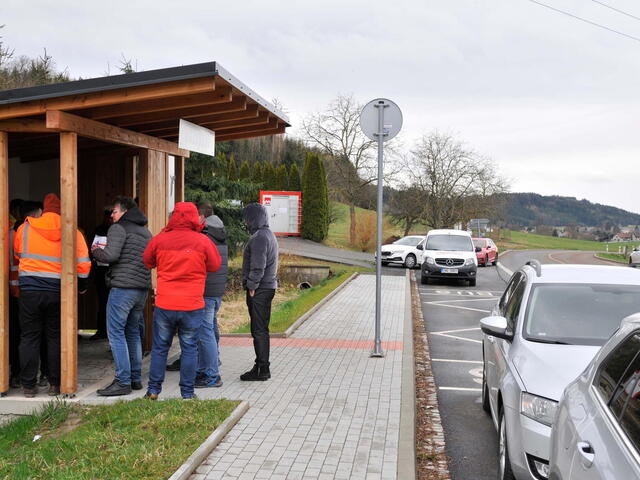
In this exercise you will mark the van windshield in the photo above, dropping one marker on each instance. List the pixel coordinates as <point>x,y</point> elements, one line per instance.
<point>457,243</point>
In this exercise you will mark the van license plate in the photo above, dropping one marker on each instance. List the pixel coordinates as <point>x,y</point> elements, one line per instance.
<point>449,270</point>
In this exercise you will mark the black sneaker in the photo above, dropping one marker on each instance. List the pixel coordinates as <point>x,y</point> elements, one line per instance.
<point>256,374</point>
<point>174,367</point>
<point>150,396</point>
<point>115,389</point>
<point>208,382</point>
<point>54,390</point>
<point>30,392</point>
<point>136,385</point>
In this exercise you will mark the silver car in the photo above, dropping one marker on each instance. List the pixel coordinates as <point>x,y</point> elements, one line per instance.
<point>596,434</point>
<point>548,325</point>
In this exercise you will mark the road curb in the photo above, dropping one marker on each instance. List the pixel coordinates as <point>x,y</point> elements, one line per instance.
<point>613,262</point>
<point>407,439</point>
<point>201,453</point>
<point>295,325</point>
<point>506,270</point>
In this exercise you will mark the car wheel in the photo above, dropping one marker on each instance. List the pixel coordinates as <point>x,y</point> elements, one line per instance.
<point>410,261</point>
<point>495,260</point>
<point>472,282</point>
<point>504,464</point>
<point>424,280</point>
<point>486,406</point>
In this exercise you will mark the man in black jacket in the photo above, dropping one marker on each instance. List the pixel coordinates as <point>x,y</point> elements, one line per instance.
<point>129,280</point>
<point>259,270</point>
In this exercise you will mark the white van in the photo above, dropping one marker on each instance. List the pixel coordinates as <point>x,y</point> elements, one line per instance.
<point>448,254</point>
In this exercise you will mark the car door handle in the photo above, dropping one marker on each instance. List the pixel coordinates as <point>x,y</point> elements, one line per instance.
<point>587,454</point>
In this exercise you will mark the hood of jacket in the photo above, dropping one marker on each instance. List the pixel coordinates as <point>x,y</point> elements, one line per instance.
<point>48,225</point>
<point>215,229</point>
<point>255,216</point>
<point>134,215</point>
<point>184,217</point>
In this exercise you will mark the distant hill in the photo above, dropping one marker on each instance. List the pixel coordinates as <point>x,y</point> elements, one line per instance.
<point>530,209</point>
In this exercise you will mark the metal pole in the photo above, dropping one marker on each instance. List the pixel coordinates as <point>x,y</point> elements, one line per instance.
<point>377,347</point>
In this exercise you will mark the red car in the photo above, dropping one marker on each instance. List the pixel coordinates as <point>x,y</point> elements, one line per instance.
<point>486,251</point>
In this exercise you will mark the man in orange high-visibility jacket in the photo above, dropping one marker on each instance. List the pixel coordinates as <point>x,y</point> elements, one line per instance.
<point>38,246</point>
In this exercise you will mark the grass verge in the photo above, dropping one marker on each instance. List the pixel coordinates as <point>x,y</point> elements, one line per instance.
<point>138,439</point>
<point>288,312</point>
<point>616,257</point>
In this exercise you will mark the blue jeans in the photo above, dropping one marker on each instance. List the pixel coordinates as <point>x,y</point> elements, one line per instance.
<point>125,312</point>
<point>207,343</point>
<point>165,324</point>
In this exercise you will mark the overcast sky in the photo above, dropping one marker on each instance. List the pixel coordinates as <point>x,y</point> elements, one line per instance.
<point>552,100</point>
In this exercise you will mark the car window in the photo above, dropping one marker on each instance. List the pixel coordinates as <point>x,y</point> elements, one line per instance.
<point>409,241</point>
<point>513,283</point>
<point>456,243</point>
<point>578,314</point>
<point>618,382</point>
<point>480,243</point>
<point>512,308</point>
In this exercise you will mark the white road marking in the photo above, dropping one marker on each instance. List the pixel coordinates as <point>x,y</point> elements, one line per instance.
<point>456,306</point>
<point>466,293</point>
<point>460,389</point>
<point>550,255</point>
<point>453,360</point>
<point>457,338</point>
<point>459,330</point>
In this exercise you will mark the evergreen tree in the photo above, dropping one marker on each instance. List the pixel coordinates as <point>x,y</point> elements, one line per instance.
<point>282,179</point>
<point>325,195</point>
<point>294,179</point>
<point>269,176</point>
<point>256,173</point>
<point>314,206</point>
<point>232,172</point>
<point>244,171</point>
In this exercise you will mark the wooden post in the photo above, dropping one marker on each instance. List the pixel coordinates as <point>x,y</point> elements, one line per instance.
<point>69,280</point>
<point>179,174</point>
<point>130,176</point>
<point>4,255</point>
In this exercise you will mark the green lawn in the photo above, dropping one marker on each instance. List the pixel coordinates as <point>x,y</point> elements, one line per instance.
<point>139,439</point>
<point>339,230</point>
<point>285,314</point>
<point>616,257</point>
<point>515,240</point>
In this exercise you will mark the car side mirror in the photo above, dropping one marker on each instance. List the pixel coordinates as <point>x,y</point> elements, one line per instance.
<point>420,247</point>
<point>496,326</point>
<point>478,249</point>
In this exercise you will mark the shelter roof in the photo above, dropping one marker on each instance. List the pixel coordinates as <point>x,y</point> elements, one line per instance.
<point>151,103</point>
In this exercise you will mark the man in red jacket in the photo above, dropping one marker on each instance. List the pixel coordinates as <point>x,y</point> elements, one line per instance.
<point>183,257</point>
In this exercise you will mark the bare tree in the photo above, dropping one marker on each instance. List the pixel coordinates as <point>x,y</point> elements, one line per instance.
<point>351,163</point>
<point>406,207</point>
<point>455,181</point>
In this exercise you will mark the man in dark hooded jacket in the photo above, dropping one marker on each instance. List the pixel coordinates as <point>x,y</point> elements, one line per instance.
<point>130,281</point>
<point>259,270</point>
<point>183,257</point>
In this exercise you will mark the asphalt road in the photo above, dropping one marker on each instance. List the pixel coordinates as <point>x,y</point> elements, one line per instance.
<point>452,313</point>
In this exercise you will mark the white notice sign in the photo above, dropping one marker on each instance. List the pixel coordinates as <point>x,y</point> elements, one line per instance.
<point>195,138</point>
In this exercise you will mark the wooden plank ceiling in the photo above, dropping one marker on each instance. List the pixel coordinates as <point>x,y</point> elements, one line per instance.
<point>153,110</point>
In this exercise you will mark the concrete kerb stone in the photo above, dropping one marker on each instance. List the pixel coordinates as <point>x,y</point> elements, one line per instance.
<point>407,441</point>
<point>613,262</point>
<point>506,270</point>
<point>293,327</point>
<point>201,453</point>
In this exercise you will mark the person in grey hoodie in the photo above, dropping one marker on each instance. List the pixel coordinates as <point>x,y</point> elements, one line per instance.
<point>130,281</point>
<point>259,270</point>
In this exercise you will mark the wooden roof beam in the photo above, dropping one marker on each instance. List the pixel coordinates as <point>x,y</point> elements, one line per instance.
<point>220,95</point>
<point>250,134</point>
<point>250,113</point>
<point>109,133</point>
<point>108,97</point>
<point>261,119</point>
<point>238,104</point>
<point>25,125</point>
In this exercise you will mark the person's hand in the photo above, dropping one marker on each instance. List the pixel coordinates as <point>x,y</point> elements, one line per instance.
<point>94,248</point>
<point>252,293</point>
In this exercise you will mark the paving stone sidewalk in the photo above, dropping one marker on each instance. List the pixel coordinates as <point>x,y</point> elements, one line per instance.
<point>329,411</point>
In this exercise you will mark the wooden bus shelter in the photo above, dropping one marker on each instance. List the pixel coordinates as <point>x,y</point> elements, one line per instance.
<point>112,135</point>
